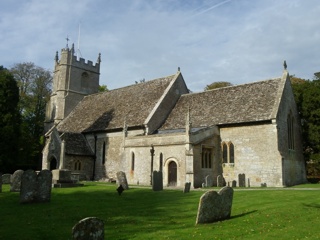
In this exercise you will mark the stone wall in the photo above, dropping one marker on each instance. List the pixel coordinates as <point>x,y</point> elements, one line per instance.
<point>255,155</point>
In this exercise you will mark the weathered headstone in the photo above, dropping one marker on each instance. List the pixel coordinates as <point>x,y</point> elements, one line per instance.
<point>220,181</point>
<point>122,180</point>
<point>187,187</point>
<point>234,183</point>
<point>90,228</point>
<point>44,185</point>
<point>157,182</point>
<point>28,190</point>
<point>6,178</point>
<point>242,180</point>
<point>209,181</point>
<point>35,188</point>
<point>215,206</point>
<point>16,181</point>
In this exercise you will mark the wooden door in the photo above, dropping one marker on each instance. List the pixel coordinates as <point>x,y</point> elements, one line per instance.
<point>172,178</point>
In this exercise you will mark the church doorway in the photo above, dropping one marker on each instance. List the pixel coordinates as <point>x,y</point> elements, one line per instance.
<point>172,174</point>
<point>53,163</point>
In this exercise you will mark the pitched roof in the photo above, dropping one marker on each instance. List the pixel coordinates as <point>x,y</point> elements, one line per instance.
<point>76,144</point>
<point>109,110</point>
<point>229,105</point>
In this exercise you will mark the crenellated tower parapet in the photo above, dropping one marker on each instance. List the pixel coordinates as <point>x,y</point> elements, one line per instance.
<point>73,79</point>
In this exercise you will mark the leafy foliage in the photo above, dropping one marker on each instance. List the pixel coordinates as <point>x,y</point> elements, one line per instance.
<point>307,96</point>
<point>34,88</point>
<point>103,88</point>
<point>9,121</point>
<point>217,85</point>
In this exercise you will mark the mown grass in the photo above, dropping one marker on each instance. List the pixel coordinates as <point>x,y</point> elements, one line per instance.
<point>140,213</point>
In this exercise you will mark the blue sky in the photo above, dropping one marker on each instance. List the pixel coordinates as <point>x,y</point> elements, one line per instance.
<point>237,41</point>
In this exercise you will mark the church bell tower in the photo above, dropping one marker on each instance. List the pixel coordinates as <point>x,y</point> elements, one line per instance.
<point>73,79</point>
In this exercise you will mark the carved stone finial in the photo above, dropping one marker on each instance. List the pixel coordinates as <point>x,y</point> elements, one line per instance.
<point>178,69</point>
<point>56,58</point>
<point>99,58</point>
<point>67,38</point>
<point>285,65</point>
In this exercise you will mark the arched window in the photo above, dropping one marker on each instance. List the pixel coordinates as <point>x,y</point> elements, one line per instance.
<point>77,165</point>
<point>84,80</point>
<point>224,153</point>
<point>231,153</point>
<point>160,162</point>
<point>104,153</point>
<point>206,157</point>
<point>132,161</point>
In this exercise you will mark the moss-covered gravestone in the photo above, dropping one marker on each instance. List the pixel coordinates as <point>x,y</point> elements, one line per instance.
<point>215,206</point>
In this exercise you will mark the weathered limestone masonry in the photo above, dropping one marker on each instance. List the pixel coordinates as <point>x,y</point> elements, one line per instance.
<point>243,135</point>
<point>73,79</point>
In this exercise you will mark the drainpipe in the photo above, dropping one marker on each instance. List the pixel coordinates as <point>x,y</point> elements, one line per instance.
<point>94,157</point>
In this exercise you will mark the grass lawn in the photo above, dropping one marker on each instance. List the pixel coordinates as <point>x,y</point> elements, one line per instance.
<point>140,213</point>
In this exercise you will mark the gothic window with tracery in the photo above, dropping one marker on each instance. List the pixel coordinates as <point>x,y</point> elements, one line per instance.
<point>206,157</point>
<point>227,153</point>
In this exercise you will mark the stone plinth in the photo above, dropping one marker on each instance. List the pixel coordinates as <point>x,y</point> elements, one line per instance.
<point>61,176</point>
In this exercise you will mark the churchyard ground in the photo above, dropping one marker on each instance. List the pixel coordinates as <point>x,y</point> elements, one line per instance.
<point>140,213</point>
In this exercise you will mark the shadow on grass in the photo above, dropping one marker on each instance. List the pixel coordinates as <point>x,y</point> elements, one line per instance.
<point>243,214</point>
<point>312,205</point>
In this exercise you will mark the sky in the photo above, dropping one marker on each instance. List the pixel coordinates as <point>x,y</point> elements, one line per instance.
<point>236,41</point>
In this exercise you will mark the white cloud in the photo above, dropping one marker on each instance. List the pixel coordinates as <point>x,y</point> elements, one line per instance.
<point>211,40</point>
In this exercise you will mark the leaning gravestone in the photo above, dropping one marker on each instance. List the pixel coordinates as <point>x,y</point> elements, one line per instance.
<point>157,182</point>
<point>187,186</point>
<point>122,180</point>
<point>209,181</point>
<point>6,178</point>
<point>90,228</point>
<point>44,185</point>
<point>215,206</point>
<point>28,190</point>
<point>16,181</point>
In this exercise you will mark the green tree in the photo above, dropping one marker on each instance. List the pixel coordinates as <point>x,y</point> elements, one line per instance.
<point>103,88</point>
<point>34,88</point>
<point>307,97</point>
<point>217,85</point>
<point>9,121</point>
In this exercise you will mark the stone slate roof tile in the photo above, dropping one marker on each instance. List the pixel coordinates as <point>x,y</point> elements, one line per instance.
<point>109,110</point>
<point>76,144</point>
<point>229,105</point>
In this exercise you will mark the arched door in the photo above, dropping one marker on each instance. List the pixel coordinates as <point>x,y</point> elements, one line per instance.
<point>53,164</point>
<point>172,177</point>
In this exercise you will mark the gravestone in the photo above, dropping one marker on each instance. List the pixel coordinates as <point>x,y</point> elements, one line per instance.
<point>219,181</point>
<point>44,183</point>
<point>16,181</point>
<point>242,180</point>
<point>215,206</point>
<point>234,183</point>
<point>35,188</point>
<point>6,178</point>
<point>122,180</point>
<point>28,190</point>
<point>209,181</point>
<point>90,228</point>
<point>187,187</point>
<point>157,182</point>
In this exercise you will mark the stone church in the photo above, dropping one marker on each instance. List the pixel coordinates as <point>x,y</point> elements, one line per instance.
<point>247,135</point>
